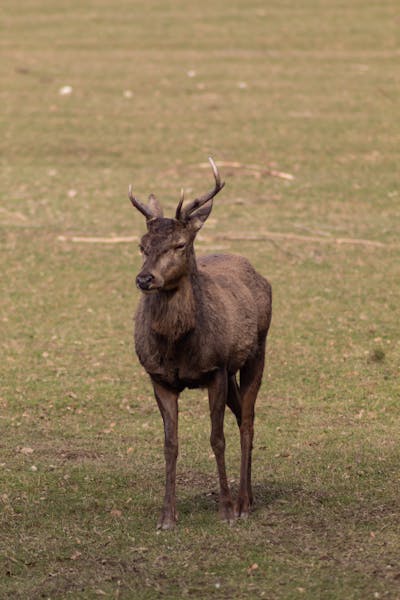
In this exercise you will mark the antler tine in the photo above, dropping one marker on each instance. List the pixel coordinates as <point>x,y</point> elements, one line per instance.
<point>179,207</point>
<point>141,207</point>
<point>207,197</point>
<point>217,188</point>
<point>216,173</point>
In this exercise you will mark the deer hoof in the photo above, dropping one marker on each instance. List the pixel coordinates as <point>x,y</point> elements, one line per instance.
<point>166,522</point>
<point>227,513</point>
<point>243,515</point>
<point>242,509</point>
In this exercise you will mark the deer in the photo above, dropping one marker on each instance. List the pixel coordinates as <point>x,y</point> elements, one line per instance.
<point>200,323</point>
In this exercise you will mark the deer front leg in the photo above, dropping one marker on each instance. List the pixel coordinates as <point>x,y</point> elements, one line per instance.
<point>217,395</point>
<point>168,404</point>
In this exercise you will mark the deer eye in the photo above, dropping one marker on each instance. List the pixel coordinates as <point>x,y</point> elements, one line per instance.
<point>142,250</point>
<point>179,246</point>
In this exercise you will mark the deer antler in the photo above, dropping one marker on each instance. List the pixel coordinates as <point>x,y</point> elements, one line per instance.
<point>183,215</point>
<point>141,207</point>
<point>179,207</point>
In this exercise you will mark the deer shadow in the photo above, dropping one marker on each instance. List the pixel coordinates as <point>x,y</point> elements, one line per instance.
<point>266,494</point>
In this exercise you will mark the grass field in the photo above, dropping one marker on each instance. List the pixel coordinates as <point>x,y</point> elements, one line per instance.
<point>308,88</point>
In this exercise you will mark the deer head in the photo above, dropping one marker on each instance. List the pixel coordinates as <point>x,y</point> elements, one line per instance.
<point>167,247</point>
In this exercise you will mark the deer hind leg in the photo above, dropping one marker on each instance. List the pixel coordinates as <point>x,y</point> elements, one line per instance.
<point>217,395</point>
<point>250,381</point>
<point>168,404</point>
<point>233,400</point>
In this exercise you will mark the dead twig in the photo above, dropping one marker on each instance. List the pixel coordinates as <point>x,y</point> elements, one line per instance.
<point>273,235</point>
<point>267,236</point>
<point>318,232</point>
<point>13,214</point>
<point>255,168</point>
<point>98,240</point>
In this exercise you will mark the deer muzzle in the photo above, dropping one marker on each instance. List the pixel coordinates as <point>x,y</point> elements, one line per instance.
<point>149,282</point>
<point>144,281</point>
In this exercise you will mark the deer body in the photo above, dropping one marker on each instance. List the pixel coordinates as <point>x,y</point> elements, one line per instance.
<point>183,337</point>
<point>199,323</point>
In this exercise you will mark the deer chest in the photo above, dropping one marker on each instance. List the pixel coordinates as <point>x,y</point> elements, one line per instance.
<point>177,366</point>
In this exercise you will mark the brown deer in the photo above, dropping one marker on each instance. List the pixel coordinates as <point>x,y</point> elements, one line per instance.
<point>200,322</point>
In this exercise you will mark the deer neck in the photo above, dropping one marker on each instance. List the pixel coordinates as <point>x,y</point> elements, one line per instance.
<point>173,313</point>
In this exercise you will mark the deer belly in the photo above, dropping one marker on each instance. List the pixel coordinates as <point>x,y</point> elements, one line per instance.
<point>179,380</point>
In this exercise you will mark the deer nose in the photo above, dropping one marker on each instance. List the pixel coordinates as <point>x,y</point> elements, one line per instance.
<point>143,281</point>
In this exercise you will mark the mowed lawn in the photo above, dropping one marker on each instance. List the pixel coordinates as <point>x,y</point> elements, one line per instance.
<point>97,95</point>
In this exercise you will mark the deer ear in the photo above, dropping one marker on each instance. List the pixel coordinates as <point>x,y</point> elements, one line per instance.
<point>155,206</point>
<point>200,216</point>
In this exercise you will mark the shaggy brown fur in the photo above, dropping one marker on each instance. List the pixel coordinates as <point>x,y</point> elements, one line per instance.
<point>198,324</point>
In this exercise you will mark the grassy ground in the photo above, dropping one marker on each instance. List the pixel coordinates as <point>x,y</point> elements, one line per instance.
<point>307,88</point>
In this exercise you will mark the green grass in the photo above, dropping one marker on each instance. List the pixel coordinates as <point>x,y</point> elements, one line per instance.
<point>310,89</point>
